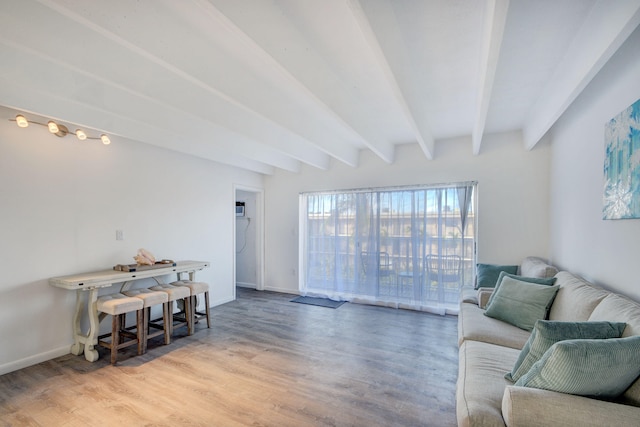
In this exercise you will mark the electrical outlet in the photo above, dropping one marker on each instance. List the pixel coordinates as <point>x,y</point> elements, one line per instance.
<point>119,235</point>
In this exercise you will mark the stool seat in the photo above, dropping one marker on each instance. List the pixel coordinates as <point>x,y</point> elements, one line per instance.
<point>196,287</point>
<point>173,292</point>
<point>118,305</point>
<point>176,293</point>
<point>148,297</point>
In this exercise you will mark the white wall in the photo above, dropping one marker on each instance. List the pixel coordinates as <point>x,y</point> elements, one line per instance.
<point>61,202</point>
<point>606,252</point>
<point>513,197</point>
<point>246,266</point>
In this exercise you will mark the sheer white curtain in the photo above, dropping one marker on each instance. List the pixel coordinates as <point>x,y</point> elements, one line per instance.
<point>404,247</point>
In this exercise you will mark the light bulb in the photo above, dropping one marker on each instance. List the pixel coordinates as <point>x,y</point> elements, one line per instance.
<point>21,121</point>
<point>105,139</point>
<point>53,128</point>
<point>81,135</point>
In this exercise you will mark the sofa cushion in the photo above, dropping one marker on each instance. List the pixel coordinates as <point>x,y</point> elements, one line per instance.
<point>521,303</point>
<point>481,383</point>
<point>546,333</point>
<point>487,274</point>
<point>469,295</point>
<point>617,308</point>
<point>484,295</point>
<point>532,407</point>
<point>576,299</point>
<point>537,267</point>
<point>474,325</point>
<point>549,281</point>
<point>601,368</point>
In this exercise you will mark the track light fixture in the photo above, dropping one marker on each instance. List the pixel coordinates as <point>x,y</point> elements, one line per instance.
<point>21,121</point>
<point>59,130</point>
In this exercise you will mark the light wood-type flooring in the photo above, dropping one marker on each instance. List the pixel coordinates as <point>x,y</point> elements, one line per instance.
<point>265,362</point>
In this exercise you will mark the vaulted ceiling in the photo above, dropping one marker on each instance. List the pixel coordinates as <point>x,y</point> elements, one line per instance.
<point>267,84</point>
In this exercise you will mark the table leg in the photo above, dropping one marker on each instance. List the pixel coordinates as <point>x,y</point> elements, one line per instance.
<point>90,353</point>
<point>77,347</point>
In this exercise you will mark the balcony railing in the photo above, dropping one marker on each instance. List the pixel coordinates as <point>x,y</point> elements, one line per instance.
<point>336,259</point>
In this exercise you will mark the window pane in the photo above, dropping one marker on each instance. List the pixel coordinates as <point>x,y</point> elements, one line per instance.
<point>412,247</point>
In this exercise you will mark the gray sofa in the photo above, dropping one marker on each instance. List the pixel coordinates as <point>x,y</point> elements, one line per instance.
<point>488,348</point>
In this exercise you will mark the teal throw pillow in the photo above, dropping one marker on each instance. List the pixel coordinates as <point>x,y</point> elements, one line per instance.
<point>487,274</point>
<point>549,281</point>
<point>521,303</point>
<point>548,332</point>
<point>595,368</point>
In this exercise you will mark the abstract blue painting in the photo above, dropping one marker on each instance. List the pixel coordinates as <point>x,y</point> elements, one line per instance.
<point>622,165</point>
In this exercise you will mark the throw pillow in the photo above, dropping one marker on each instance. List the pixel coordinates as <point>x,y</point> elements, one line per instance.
<point>596,368</point>
<point>549,281</point>
<point>521,303</point>
<point>487,274</point>
<point>547,332</point>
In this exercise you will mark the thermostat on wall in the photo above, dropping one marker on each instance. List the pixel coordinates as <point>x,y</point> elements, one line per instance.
<point>239,208</point>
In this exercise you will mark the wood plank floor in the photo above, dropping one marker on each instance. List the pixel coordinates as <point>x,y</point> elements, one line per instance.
<point>265,362</point>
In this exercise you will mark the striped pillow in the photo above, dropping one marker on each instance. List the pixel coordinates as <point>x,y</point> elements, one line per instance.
<point>591,367</point>
<point>548,332</point>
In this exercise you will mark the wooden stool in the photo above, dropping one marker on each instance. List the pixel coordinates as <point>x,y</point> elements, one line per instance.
<point>176,293</point>
<point>118,305</point>
<point>196,288</point>
<point>150,298</point>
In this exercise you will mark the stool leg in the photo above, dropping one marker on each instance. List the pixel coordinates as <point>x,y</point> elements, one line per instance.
<point>192,315</point>
<point>187,315</point>
<point>141,322</point>
<point>140,329</point>
<point>115,337</point>
<point>170,312</point>
<point>206,308</point>
<point>123,325</point>
<point>167,321</point>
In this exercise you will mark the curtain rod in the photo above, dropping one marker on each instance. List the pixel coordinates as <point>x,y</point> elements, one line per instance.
<point>393,188</point>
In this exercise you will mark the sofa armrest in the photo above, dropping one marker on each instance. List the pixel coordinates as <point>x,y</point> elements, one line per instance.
<point>483,296</point>
<point>523,406</point>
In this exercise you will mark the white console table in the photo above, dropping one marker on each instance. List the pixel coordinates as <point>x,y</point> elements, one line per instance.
<point>87,286</point>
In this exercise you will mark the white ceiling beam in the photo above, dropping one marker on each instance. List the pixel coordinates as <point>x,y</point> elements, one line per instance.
<point>44,94</point>
<point>417,121</point>
<point>270,69</point>
<point>381,148</point>
<point>494,24</point>
<point>31,100</point>
<point>606,28</point>
<point>230,113</point>
<point>145,101</point>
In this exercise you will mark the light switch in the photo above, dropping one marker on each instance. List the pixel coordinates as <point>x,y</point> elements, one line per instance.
<point>119,235</point>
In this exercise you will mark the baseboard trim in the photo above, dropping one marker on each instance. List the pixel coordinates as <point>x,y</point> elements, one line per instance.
<point>35,359</point>
<point>281,290</point>
<point>247,285</point>
<point>221,301</point>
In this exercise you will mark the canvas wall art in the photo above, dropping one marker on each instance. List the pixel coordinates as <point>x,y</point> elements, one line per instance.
<point>622,165</point>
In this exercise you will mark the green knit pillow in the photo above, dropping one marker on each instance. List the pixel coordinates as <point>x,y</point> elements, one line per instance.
<point>547,332</point>
<point>487,274</point>
<point>537,280</point>
<point>521,303</point>
<point>602,368</point>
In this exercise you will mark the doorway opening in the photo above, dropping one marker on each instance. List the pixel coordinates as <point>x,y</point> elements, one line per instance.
<point>249,238</point>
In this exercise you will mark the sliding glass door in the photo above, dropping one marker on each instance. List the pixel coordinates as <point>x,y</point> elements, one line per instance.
<point>405,247</point>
